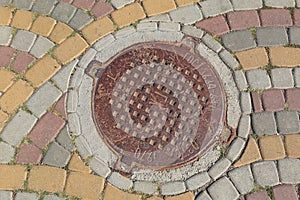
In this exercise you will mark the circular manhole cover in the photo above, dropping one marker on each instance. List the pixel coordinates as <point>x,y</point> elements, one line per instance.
<point>158,105</point>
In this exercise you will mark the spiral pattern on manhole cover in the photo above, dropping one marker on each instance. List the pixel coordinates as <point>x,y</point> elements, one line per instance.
<point>158,105</point>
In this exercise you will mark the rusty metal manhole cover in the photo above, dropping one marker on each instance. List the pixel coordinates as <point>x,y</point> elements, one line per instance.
<point>158,105</point>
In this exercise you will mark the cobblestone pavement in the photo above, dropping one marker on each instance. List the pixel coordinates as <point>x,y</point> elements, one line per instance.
<point>53,52</point>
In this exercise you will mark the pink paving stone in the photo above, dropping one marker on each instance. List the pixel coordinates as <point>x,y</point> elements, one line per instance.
<point>6,54</point>
<point>241,20</point>
<point>285,192</point>
<point>276,17</point>
<point>215,25</point>
<point>263,195</point>
<point>297,17</point>
<point>61,105</point>
<point>22,60</point>
<point>256,101</point>
<point>293,98</point>
<point>29,154</point>
<point>85,4</point>
<point>273,100</point>
<point>46,129</point>
<point>101,8</point>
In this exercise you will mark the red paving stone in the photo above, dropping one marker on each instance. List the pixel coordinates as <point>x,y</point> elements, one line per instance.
<point>263,195</point>
<point>29,154</point>
<point>215,25</point>
<point>256,101</point>
<point>22,60</point>
<point>293,98</point>
<point>6,54</point>
<point>46,129</point>
<point>101,8</point>
<point>85,4</point>
<point>297,17</point>
<point>241,20</point>
<point>273,100</point>
<point>285,192</point>
<point>61,105</point>
<point>276,17</point>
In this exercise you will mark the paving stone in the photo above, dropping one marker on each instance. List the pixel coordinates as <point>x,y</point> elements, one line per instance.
<point>7,79</point>
<point>43,26</point>
<point>154,7</point>
<point>83,147</point>
<point>46,178</point>
<point>60,32</point>
<point>145,187</point>
<point>120,181</point>
<point>265,173</point>
<point>219,168</point>
<point>6,54</point>
<point>64,139</point>
<point>22,19</point>
<point>169,26</point>
<point>292,143</point>
<point>297,77</point>
<point>80,20</point>
<point>273,100</point>
<point>72,104</point>
<point>184,196</point>
<point>246,102</point>
<point>263,195</point>
<point>120,3</point>
<point>289,170</point>
<point>229,60</point>
<point>157,18</point>
<point>271,36</point>
<point>242,179</point>
<point>247,5</point>
<point>192,31</point>
<point>223,189</point>
<point>292,98</point>
<point>5,16</point>
<point>6,36</point>
<point>23,40</point>
<point>239,40</point>
<point>186,15</point>
<point>99,167</point>
<point>112,193</point>
<point>241,20</point>
<point>26,196</point>
<point>280,3</point>
<point>244,126</point>
<point>215,7</point>
<point>272,147</point>
<point>101,8</point>
<point>284,56</point>
<point>282,78</point>
<point>87,5</point>
<point>56,156</point>
<point>197,181</point>
<point>3,118</point>
<point>203,196</point>
<point>276,17</point>
<point>41,46</point>
<point>214,25</point>
<point>21,61</point>
<point>6,153</point>
<point>211,43</point>
<point>181,3</point>
<point>76,164</point>
<point>53,197</point>
<point>264,123</point>
<point>75,82</point>
<point>294,35</point>
<point>235,149</point>
<point>258,79</point>
<point>124,32</point>
<point>253,58</point>
<point>43,6</point>
<point>288,122</point>
<point>60,105</point>
<point>63,12</point>
<point>29,154</point>
<point>240,80</point>
<point>285,192</point>
<point>6,195</point>
<point>23,4</point>
<point>173,188</point>
<point>5,2</point>
<point>257,102</point>
<point>87,58</point>
<point>12,177</point>
<point>147,26</point>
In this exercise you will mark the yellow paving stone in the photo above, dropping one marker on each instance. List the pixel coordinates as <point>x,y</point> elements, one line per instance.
<point>46,178</point>
<point>22,19</point>
<point>42,71</point>
<point>253,58</point>
<point>154,198</point>
<point>60,32</point>
<point>185,2</point>
<point>155,7</point>
<point>5,16</point>
<point>250,154</point>
<point>292,144</point>
<point>85,186</point>
<point>285,56</point>
<point>43,26</point>
<point>113,193</point>
<point>70,48</point>
<point>12,177</point>
<point>3,119</point>
<point>128,15</point>
<point>17,94</point>
<point>76,164</point>
<point>272,147</point>
<point>184,196</point>
<point>6,80</point>
<point>98,29</point>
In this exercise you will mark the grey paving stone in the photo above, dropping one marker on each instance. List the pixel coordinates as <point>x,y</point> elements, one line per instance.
<point>288,122</point>
<point>87,58</point>
<point>242,179</point>
<point>64,139</point>
<point>145,187</point>
<point>238,40</point>
<point>211,43</point>
<point>147,26</point>
<point>105,41</point>
<point>247,5</point>
<point>294,34</point>
<point>74,125</point>
<point>63,76</point>
<point>197,181</point>
<point>215,7</point>
<point>63,12</point>
<point>41,46</point>
<point>120,3</point>
<point>271,36</point>
<point>173,188</point>
<point>42,99</point>
<point>19,126</point>
<point>157,18</point>
<point>169,26</point>
<point>22,4</point>
<point>258,79</point>
<point>53,197</point>
<point>80,20</point>
<point>240,80</point>
<point>246,102</point>
<point>26,196</point>
<point>125,32</point>
<point>76,80</point>
<point>187,14</point>
<point>280,3</point>
<point>289,170</point>
<point>6,153</point>
<point>83,147</point>
<point>57,156</point>
<point>43,6</point>
<point>282,78</point>
<point>223,189</point>
<point>203,196</point>
<point>297,77</point>
<point>5,2</point>
<point>244,126</point>
<point>6,195</point>
<point>265,173</point>
<point>235,149</point>
<point>192,31</point>
<point>72,101</point>
<point>6,36</point>
<point>120,181</point>
<point>99,167</point>
<point>264,123</point>
<point>23,40</point>
<point>229,60</point>
<point>219,168</point>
